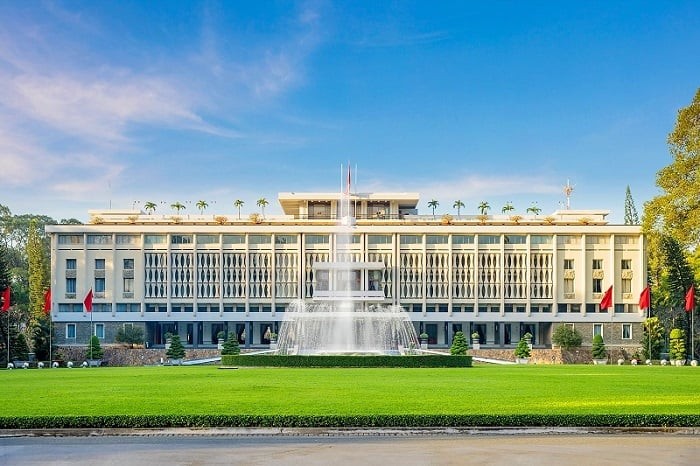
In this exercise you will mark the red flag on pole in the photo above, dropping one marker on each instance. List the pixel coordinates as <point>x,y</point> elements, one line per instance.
<point>47,301</point>
<point>645,298</point>
<point>606,302</point>
<point>690,299</point>
<point>88,301</point>
<point>347,187</point>
<point>5,300</point>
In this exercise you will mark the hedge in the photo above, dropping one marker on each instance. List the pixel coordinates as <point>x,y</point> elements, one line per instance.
<point>399,420</point>
<point>264,360</point>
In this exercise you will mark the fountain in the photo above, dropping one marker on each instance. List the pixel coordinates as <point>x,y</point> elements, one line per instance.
<point>346,317</point>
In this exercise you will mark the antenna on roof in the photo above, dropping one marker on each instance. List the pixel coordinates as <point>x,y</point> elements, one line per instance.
<point>568,189</point>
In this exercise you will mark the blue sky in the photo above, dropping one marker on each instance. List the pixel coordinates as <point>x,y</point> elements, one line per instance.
<point>164,101</point>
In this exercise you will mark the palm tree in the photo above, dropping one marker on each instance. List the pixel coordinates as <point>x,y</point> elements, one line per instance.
<point>202,206</point>
<point>484,207</point>
<point>433,205</point>
<point>177,206</point>
<point>150,207</point>
<point>458,205</point>
<point>262,202</point>
<point>534,209</point>
<point>507,208</point>
<point>238,204</point>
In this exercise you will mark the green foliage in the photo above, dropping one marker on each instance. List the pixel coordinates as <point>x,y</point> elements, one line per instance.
<point>433,204</point>
<point>459,345</point>
<point>94,350</point>
<point>38,271</point>
<point>677,344</point>
<point>263,360</point>
<point>631,216</point>
<point>19,350</point>
<point>176,350</point>
<point>40,338</point>
<point>130,335</point>
<point>231,346</point>
<point>598,350</point>
<point>523,349</point>
<point>423,336</point>
<point>566,337</point>
<point>653,338</point>
<point>4,269</point>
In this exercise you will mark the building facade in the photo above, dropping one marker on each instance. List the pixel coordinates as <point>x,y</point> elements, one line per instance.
<point>199,275</point>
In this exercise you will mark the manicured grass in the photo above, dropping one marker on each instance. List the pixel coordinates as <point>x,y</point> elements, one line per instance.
<point>492,390</point>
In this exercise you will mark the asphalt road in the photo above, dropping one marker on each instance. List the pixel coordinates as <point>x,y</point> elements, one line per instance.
<point>542,449</point>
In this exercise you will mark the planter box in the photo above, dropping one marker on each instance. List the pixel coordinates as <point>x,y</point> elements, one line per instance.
<point>476,345</point>
<point>94,362</point>
<point>176,362</point>
<point>600,362</point>
<point>522,360</point>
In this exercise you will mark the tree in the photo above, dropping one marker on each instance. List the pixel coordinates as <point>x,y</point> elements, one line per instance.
<point>262,203</point>
<point>38,272</point>
<point>676,347</point>
<point>176,350</point>
<point>523,349</point>
<point>202,206</point>
<point>433,205</point>
<point>150,207</point>
<point>459,345</point>
<point>94,350</point>
<point>533,209</point>
<point>676,211</point>
<point>458,205</point>
<point>41,340</point>
<point>566,337</point>
<point>631,217</point>
<point>653,338</point>
<point>238,204</point>
<point>19,350</point>
<point>507,208</point>
<point>598,350</point>
<point>130,335</point>
<point>4,269</point>
<point>484,208</point>
<point>177,207</point>
<point>231,345</point>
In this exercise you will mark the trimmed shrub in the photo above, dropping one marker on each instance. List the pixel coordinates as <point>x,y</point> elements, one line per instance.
<point>566,337</point>
<point>231,346</point>
<point>676,348</point>
<point>94,350</point>
<point>176,350</point>
<point>459,345</point>
<point>523,349</point>
<point>266,360</point>
<point>130,335</point>
<point>598,350</point>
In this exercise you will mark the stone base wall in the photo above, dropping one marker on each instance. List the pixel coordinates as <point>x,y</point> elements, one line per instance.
<point>121,356</point>
<point>557,355</point>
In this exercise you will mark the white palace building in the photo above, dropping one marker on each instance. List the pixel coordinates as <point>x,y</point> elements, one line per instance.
<point>198,275</point>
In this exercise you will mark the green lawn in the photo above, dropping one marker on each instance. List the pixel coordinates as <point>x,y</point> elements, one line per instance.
<point>508,390</point>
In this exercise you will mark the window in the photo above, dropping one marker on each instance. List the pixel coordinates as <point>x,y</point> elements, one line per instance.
<point>70,264</point>
<point>70,331</point>
<point>207,239</point>
<point>540,239</point>
<point>626,264</point>
<point>489,239</point>
<point>626,285</point>
<point>569,285</point>
<point>626,331</point>
<point>99,264</point>
<point>435,239</point>
<point>233,239</point>
<point>411,239</point>
<point>597,285</point>
<point>345,239</point>
<point>128,285</point>
<point>128,264</point>
<point>70,285</point>
<point>316,239</point>
<point>70,239</point>
<point>598,329</point>
<point>285,239</point>
<point>99,239</point>
<point>597,264</point>
<point>378,239</point>
<point>576,308</point>
<point>568,239</point>
<point>568,264</point>
<point>259,239</point>
<point>100,331</point>
<point>180,239</point>
<point>514,239</point>
<point>99,285</point>
<point>462,239</point>
<point>127,239</point>
<point>154,239</point>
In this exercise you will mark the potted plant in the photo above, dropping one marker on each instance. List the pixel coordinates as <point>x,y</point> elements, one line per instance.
<point>522,351</point>
<point>94,352</point>
<point>176,352</point>
<point>598,351</point>
<point>423,340</point>
<point>476,344</point>
<point>676,347</point>
<point>273,340</point>
<point>220,339</point>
